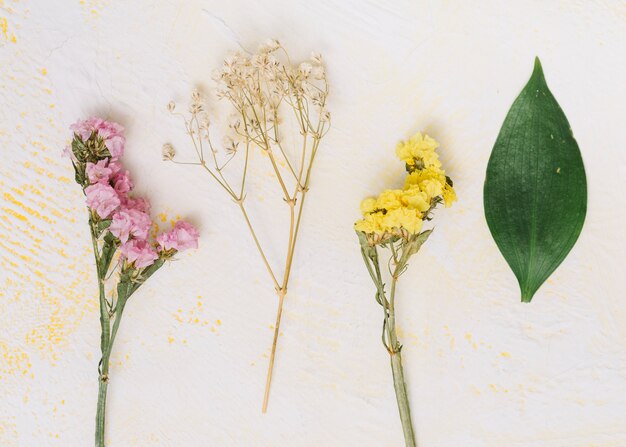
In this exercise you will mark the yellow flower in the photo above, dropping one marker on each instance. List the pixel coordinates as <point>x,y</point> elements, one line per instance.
<point>389,199</point>
<point>425,186</point>
<point>430,173</point>
<point>415,198</point>
<point>431,188</point>
<point>449,196</point>
<point>406,218</point>
<point>368,205</point>
<point>432,181</point>
<point>371,223</point>
<point>419,151</point>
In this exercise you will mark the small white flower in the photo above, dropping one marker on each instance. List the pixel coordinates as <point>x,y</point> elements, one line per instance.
<point>316,58</point>
<point>168,152</point>
<point>230,145</point>
<point>203,120</point>
<point>319,72</point>
<point>196,97</point>
<point>195,108</point>
<point>305,69</point>
<point>269,46</point>
<point>234,121</point>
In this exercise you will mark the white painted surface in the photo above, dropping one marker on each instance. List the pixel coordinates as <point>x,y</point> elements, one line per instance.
<point>483,370</point>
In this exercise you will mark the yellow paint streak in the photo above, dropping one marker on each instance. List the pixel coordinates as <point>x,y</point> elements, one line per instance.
<point>4,31</point>
<point>9,198</point>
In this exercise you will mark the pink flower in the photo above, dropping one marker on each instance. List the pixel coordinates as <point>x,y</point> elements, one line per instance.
<point>68,152</point>
<point>138,203</point>
<point>111,133</point>
<point>98,172</point>
<point>115,167</point>
<point>84,128</point>
<point>182,237</point>
<point>121,182</point>
<point>102,198</point>
<point>138,252</point>
<point>130,222</point>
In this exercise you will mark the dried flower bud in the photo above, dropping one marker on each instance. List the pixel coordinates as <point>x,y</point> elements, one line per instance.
<point>318,72</point>
<point>203,120</point>
<point>216,75</point>
<point>325,116</point>
<point>171,106</point>
<point>195,108</point>
<point>195,96</point>
<point>234,121</point>
<point>269,46</point>
<point>316,58</point>
<point>168,152</point>
<point>305,69</point>
<point>230,145</point>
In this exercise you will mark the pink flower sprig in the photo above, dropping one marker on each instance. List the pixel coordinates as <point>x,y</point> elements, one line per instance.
<point>120,226</point>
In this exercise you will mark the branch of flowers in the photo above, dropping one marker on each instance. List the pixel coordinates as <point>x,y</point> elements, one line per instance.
<point>282,151</point>
<point>256,85</point>
<point>215,162</point>
<point>226,187</point>
<point>268,149</point>
<point>257,243</point>
<point>245,170</point>
<point>117,221</point>
<point>293,235</point>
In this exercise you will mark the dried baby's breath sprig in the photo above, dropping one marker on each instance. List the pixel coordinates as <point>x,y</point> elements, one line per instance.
<point>269,95</point>
<point>394,221</point>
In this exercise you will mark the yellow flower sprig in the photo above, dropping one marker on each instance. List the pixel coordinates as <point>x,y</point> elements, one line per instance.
<point>401,211</point>
<point>394,221</point>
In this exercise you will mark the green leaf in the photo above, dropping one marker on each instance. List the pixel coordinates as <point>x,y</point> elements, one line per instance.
<point>102,225</point>
<point>535,191</point>
<point>367,249</point>
<point>416,242</point>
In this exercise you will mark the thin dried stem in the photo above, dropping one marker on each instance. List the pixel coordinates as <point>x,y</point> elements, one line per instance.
<point>259,87</point>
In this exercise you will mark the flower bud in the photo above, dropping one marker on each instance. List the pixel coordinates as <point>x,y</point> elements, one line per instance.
<point>168,152</point>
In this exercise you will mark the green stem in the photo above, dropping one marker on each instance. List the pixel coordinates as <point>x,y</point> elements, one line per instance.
<point>396,365</point>
<point>402,398</point>
<point>390,336</point>
<point>123,292</point>
<point>104,342</point>
<point>102,397</point>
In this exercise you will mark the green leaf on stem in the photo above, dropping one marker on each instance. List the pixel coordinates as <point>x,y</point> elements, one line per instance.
<point>368,250</point>
<point>535,193</point>
<point>415,243</point>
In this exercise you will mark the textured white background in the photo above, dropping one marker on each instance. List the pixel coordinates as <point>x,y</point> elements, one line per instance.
<point>483,370</point>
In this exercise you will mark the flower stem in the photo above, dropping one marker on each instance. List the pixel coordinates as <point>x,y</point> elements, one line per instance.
<point>100,413</point>
<point>396,364</point>
<point>270,368</point>
<point>402,398</point>
<point>105,342</point>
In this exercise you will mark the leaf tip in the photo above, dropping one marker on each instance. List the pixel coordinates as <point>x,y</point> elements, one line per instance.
<point>537,69</point>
